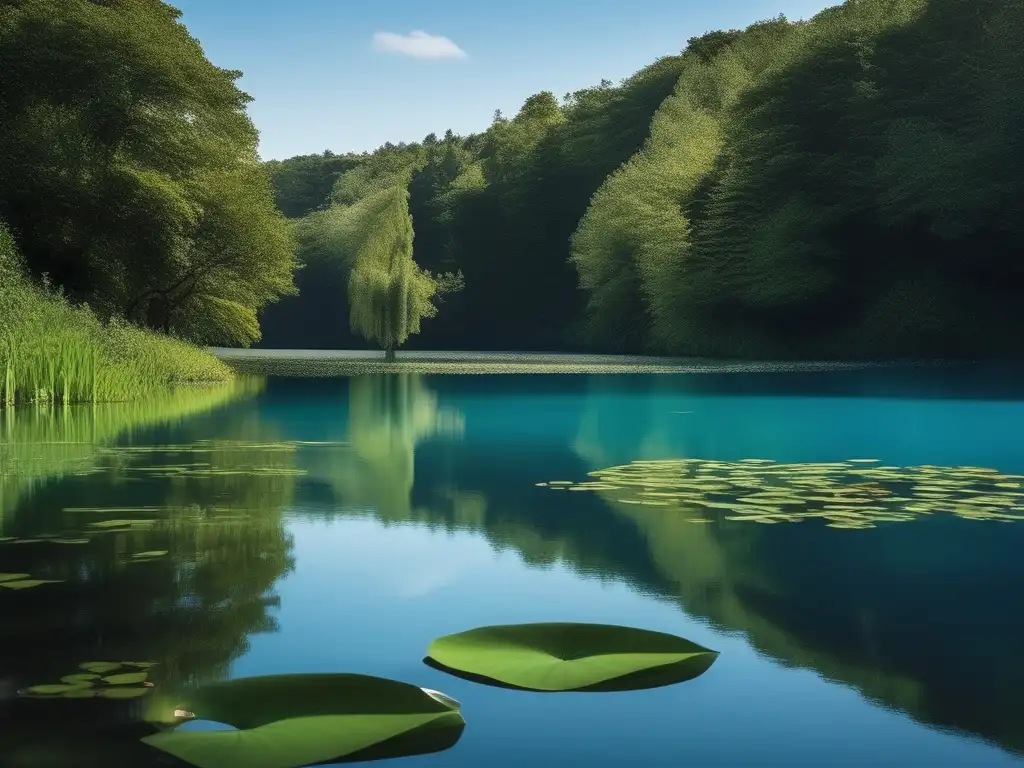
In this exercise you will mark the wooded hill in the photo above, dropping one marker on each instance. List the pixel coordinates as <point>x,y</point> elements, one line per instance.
<point>846,187</point>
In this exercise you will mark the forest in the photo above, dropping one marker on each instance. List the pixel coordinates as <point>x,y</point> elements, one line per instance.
<point>845,187</point>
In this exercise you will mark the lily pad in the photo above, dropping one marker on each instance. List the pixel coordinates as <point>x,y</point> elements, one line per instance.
<point>570,657</point>
<point>127,678</point>
<point>150,554</point>
<point>99,667</point>
<point>52,690</point>
<point>84,677</point>
<point>28,583</point>
<point>12,576</point>
<point>286,721</point>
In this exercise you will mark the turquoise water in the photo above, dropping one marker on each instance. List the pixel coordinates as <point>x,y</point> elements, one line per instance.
<point>421,516</point>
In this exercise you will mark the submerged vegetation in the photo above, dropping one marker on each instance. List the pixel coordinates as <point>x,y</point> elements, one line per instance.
<point>843,187</point>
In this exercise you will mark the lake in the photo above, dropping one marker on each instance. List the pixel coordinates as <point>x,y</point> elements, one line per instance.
<point>341,524</point>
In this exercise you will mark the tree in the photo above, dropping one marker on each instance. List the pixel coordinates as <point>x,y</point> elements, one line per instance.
<point>241,255</point>
<point>388,293</point>
<point>303,184</point>
<point>120,146</point>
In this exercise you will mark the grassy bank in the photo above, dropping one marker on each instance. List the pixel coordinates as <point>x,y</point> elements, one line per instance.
<point>52,351</point>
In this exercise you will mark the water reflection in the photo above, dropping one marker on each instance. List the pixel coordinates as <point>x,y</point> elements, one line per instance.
<point>191,610</point>
<point>917,616</point>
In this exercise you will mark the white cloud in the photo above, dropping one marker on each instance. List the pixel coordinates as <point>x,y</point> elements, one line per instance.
<point>417,44</point>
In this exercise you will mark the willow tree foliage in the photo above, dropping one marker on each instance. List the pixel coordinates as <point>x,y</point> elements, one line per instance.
<point>388,293</point>
<point>129,173</point>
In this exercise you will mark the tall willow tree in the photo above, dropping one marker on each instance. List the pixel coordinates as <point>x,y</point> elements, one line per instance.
<point>388,293</point>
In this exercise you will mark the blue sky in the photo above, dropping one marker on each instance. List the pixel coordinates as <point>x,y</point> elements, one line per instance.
<point>344,75</point>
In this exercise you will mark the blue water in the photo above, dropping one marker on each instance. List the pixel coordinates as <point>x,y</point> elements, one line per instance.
<point>893,646</point>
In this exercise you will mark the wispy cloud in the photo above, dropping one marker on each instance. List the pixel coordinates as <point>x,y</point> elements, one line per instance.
<point>417,44</point>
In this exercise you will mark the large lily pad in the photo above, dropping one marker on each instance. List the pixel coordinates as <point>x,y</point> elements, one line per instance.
<point>286,721</point>
<point>570,657</point>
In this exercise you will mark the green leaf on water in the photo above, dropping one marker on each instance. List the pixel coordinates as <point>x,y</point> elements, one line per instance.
<point>569,657</point>
<point>151,554</point>
<point>115,523</point>
<point>100,667</point>
<point>139,664</point>
<point>12,576</point>
<point>70,541</point>
<point>28,583</point>
<point>287,721</point>
<point>80,678</point>
<point>126,678</point>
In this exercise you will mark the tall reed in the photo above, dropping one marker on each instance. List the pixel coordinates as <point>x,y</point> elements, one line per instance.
<point>56,352</point>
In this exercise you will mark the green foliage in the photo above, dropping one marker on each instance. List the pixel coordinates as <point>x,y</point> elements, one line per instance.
<point>303,184</point>
<point>571,657</point>
<point>54,350</point>
<point>287,721</point>
<point>498,207</point>
<point>129,174</point>
<point>847,186</point>
<point>635,235</point>
<point>388,293</point>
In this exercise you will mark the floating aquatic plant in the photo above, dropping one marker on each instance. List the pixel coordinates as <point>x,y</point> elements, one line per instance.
<point>97,682</point>
<point>853,494</point>
<point>570,657</point>
<point>23,581</point>
<point>286,721</point>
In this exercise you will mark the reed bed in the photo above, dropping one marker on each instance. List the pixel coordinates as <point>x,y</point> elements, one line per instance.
<point>52,351</point>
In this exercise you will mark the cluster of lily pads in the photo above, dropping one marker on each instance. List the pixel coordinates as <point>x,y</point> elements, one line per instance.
<point>288,721</point>
<point>852,494</point>
<point>99,679</point>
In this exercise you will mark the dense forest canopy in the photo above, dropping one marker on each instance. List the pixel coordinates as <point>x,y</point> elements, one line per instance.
<point>849,186</point>
<point>129,175</point>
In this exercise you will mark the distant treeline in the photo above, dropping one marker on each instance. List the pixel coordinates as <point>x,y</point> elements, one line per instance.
<point>847,187</point>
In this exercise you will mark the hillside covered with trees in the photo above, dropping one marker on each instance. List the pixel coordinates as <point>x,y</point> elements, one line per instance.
<point>849,186</point>
<point>845,187</point>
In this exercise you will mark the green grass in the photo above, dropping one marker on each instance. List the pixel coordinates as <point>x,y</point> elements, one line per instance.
<point>53,351</point>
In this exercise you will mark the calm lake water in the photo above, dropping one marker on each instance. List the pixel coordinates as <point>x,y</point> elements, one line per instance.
<point>339,525</point>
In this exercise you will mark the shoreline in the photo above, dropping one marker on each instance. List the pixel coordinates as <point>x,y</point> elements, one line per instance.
<point>338,362</point>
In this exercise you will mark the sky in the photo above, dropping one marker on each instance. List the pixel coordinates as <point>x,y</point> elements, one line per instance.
<point>347,76</point>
